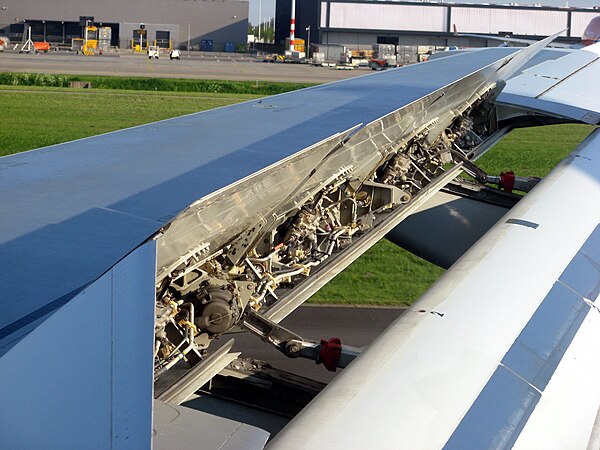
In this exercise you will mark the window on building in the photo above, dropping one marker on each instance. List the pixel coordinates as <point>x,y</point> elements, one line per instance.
<point>387,40</point>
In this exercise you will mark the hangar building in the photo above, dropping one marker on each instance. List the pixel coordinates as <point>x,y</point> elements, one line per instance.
<point>361,23</point>
<point>207,23</point>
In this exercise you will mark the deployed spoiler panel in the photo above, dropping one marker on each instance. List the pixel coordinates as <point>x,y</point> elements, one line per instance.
<point>71,211</point>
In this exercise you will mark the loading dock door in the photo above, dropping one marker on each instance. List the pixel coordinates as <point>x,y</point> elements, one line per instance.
<point>163,39</point>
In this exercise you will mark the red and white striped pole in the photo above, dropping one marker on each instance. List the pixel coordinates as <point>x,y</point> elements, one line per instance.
<point>293,26</point>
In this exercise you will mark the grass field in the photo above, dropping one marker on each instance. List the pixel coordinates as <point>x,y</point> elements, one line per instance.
<point>385,274</point>
<point>36,117</point>
<point>152,84</point>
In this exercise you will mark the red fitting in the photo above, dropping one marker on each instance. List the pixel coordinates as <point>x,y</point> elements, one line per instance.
<point>330,353</point>
<point>507,181</point>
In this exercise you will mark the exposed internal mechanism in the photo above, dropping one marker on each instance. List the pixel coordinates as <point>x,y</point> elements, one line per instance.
<point>207,294</point>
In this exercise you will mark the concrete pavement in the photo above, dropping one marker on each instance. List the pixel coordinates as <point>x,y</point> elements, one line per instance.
<point>199,66</point>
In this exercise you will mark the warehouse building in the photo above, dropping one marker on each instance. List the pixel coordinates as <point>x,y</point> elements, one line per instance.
<point>361,23</point>
<point>207,24</point>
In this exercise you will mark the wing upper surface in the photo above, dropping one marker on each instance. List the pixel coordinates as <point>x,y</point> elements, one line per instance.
<point>71,211</point>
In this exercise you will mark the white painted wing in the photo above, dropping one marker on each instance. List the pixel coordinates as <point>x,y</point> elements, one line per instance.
<point>566,87</point>
<point>501,352</point>
<point>507,39</point>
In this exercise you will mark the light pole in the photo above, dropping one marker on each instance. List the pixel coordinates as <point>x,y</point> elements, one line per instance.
<point>259,17</point>
<point>293,26</point>
<point>308,42</point>
<point>85,34</point>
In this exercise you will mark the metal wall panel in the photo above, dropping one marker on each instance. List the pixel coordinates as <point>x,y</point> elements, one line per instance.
<point>222,21</point>
<point>364,40</point>
<point>580,20</point>
<point>126,33</point>
<point>372,16</point>
<point>518,21</point>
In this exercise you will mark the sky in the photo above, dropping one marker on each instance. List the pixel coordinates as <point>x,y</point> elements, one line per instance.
<point>267,7</point>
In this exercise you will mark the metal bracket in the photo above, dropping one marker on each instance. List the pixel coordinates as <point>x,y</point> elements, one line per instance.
<point>507,181</point>
<point>332,354</point>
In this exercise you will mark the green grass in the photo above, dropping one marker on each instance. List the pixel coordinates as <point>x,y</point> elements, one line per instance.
<point>42,116</point>
<point>387,274</point>
<point>384,275</point>
<point>152,84</point>
<point>33,117</point>
<point>534,151</point>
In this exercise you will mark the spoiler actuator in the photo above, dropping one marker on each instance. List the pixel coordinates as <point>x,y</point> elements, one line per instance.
<point>331,353</point>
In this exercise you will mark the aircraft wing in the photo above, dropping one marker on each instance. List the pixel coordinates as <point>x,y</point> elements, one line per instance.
<point>499,353</point>
<point>128,257</point>
<point>507,39</point>
<point>563,87</point>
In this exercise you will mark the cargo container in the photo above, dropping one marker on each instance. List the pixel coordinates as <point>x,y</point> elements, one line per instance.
<point>407,54</point>
<point>331,52</point>
<point>104,38</point>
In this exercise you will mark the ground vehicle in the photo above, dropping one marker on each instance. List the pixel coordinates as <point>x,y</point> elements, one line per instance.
<point>4,42</point>
<point>175,54</point>
<point>153,52</point>
<point>378,64</point>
